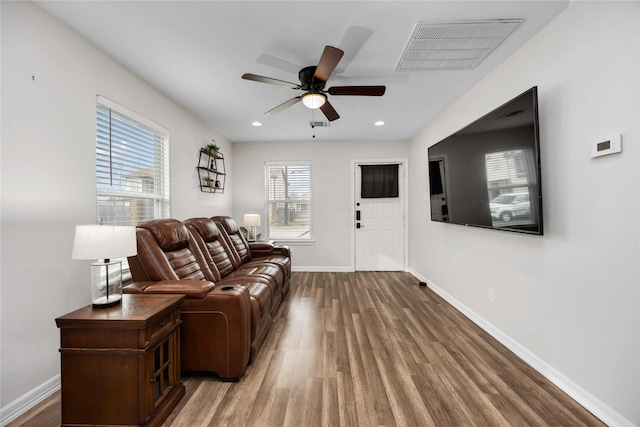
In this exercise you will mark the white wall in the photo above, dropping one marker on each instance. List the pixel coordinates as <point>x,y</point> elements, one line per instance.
<point>50,79</point>
<point>571,298</point>
<point>331,175</point>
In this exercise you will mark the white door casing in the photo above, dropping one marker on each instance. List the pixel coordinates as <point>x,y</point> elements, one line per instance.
<point>380,242</point>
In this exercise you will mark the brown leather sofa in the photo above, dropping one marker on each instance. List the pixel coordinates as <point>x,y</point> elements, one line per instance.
<point>227,311</point>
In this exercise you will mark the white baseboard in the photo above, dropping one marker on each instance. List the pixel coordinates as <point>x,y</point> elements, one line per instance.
<point>324,269</point>
<point>21,405</point>
<point>594,405</point>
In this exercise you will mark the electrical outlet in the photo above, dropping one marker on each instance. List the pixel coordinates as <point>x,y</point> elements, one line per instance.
<point>491,295</point>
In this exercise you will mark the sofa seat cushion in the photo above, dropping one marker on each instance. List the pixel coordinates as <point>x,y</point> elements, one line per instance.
<point>265,270</point>
<point>284,263</point>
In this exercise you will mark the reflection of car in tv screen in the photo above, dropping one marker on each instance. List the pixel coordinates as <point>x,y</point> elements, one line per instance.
<point>507,206</point>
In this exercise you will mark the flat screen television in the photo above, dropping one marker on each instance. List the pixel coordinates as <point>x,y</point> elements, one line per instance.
<point>488,173</point>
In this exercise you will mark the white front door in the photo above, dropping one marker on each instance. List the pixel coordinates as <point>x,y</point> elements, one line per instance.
<point>379,233</point>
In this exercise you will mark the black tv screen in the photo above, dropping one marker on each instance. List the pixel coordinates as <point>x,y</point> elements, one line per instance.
<point>488,173</point>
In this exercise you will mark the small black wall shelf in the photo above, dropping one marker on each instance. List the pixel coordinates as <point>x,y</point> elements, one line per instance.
<point>211,171</point>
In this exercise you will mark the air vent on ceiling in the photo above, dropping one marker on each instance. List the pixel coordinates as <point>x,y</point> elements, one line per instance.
<point>458,45</point>
<point>319,124</point>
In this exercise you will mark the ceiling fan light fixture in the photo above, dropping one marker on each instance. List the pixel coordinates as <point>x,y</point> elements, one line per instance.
<point>314,100</point>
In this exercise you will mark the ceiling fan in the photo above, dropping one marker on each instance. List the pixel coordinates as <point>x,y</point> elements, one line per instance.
<point>313,80</point>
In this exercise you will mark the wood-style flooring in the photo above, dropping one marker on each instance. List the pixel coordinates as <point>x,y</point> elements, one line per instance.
<point>369,349</point>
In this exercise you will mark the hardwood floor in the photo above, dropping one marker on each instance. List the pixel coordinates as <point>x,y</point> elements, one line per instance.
<point>370,349</point>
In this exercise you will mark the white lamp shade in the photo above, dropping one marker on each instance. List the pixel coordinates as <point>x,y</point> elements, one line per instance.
<point>104,242</point>
<point>251,220</point>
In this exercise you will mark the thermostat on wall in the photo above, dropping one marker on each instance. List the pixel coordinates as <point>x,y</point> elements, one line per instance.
<point>602,147</point>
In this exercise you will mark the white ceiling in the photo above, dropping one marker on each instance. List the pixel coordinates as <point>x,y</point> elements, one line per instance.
<point>196,52</point>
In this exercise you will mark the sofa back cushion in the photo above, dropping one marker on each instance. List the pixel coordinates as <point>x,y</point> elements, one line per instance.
<point>165,251</point>
<point>170,234</point>
<point>208,235</point>
<point>234,238</point>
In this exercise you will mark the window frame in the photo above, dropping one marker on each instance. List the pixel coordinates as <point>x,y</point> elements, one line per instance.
<point>308,238</point>
<point>164,197</point>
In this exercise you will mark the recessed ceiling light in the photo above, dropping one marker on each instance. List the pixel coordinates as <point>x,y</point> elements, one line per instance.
<point>257,124</point>
<point>379,123</point>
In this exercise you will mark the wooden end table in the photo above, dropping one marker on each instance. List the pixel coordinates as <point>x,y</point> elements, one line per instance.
<point>121,364</point>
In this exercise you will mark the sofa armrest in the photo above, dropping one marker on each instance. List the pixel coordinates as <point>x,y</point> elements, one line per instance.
<point>192,289</point>
<point>282,250</point>
<point>261,246</point>
<point>261,249</point>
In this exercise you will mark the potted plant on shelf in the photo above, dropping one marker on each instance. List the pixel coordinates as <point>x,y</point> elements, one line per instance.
<point>209,181</point>
<point>213,147</point>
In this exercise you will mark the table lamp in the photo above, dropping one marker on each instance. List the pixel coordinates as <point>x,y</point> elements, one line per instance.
<point>252,221</point>
<point>103,242</point>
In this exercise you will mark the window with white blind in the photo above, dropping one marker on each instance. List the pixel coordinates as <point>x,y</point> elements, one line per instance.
<point>288,201</point>
<point>132,166</point>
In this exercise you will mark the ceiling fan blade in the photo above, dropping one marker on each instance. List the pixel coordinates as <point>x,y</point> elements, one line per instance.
<point>352,42</point>
<point>330,113</point>
<point>283,106</point>
<point>357,90</point>
<point>279,63</point>
<point>328,62</point>
<point>269,80</point>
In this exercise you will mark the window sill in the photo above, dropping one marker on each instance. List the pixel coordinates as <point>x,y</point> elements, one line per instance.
<point>292,242</point>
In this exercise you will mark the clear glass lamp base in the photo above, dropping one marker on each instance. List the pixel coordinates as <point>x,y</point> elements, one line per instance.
<point>107,301</point>
<point>106,283</point>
